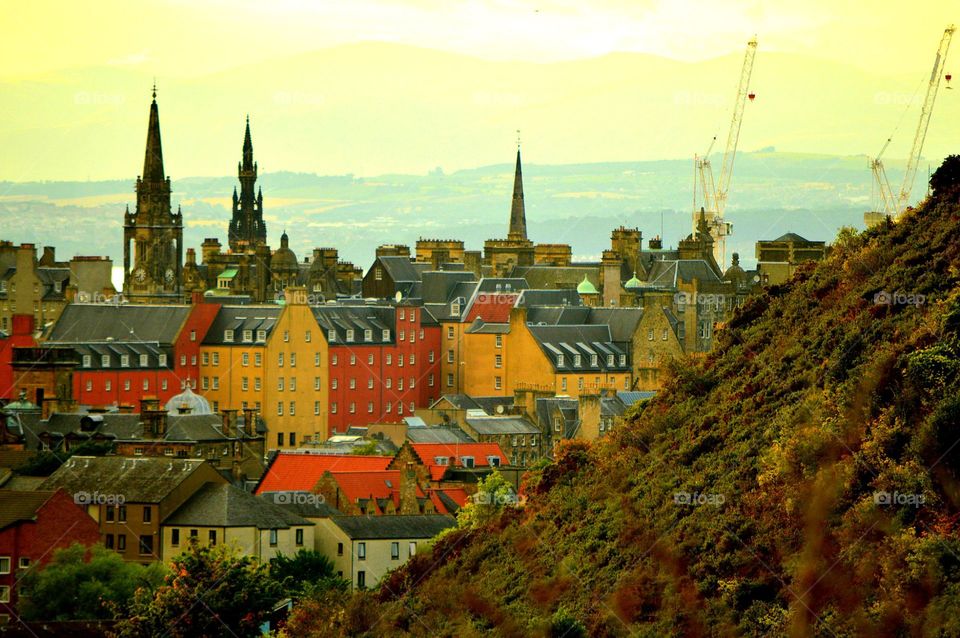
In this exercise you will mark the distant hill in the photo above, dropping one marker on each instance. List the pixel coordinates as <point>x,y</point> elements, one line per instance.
<point>772,193</point>
<point>801,480</point>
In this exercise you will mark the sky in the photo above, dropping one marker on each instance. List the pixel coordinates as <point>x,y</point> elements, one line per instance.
<point>194,37</point>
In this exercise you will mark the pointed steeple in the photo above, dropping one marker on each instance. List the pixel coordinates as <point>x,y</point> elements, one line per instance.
<point>247,148</point>
<point>153,159</point>
<point>518,217</point>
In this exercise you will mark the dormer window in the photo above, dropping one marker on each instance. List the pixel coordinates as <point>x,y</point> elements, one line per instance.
<point>368,335</point>
<point>86,361</point>
<point>493,461</point>
<point>466,461</point>
<point>228,336</point>
<point>247,336</point>
<point>261,335</point>
<point>559,360</point>
<point>401,314</point>
<point>331,335</point>
<point>441,460</point>
<point>350,334</point>
<point>105,360</point>
<point>623,360</point>
<point>124,361</point>
<point>161,360</point>
<point>385,335</point>
<point>593,360</point>
<point>610,360</point>
<point>143,361</point>
<point>576,360</point>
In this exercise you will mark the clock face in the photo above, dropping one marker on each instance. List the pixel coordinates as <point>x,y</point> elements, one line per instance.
<point>140,275</point>
<point>169,275</point>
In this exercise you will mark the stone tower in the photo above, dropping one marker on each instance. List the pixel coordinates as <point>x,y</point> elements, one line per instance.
<point>518,217</point>
<point>247,229</point>
<point>153,233</point>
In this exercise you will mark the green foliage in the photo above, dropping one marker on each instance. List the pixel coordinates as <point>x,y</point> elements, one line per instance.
<point>213,591</point>
<point>367,449</point>
<point>81,583</point>
<point>564,624</point>
<point>493,494</point>
<point>304,572</point>
<point>946,179</point>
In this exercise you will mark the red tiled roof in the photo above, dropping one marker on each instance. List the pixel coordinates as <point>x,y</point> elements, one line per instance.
<point>454,451</point>
<point>300,472</point>
<point>458,494</point>
<point>356,485</point>
<point>492,308</point>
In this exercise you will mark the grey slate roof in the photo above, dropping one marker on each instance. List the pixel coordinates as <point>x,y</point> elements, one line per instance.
<point>238,319</point>
<point>140,479</point>
<point>438,434</point>
<point>496,425</point>
<point>551,277</point>
<point>437,286</point>
<point>665,274</point>
<point>402,269</point>
<point>586,341</point>
<point>358,318</point>
<point>396,527</point>
<point>20,506</point>
<point>629,398</point>
<point>795,238</point>
<point>90,323</point>
<point>223,505</point>
<point>555,297</point>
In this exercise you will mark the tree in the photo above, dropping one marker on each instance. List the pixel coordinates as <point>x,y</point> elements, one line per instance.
<point>81,583</point>
<point>493,494</point>
<point>946,179</point>
<point>304,571</point>
<point>213,591</point>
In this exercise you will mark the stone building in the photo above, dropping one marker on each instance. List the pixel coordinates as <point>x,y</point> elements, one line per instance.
<point>778,259</point>
<point>153,233</point>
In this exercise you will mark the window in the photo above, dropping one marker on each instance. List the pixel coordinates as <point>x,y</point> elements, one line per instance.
<point>412,359</point>
<point>248,336</point>
<point>298,535</point>
<point>24,562</point>
<point>394,551</point>
<point>162,360</point>
<point>316,359</point>
<point>498,361</point>
<point>665,333</point>
<point>466,461</point>
<point>316,408</point>
<point>257,359</point>
<point>108,541</point>
<point>121,542</point>
<point>449,356</point>
<point>205,358</point>
<point>401,314</point>
<point>333,384</point>
<point>316,383</point>
<point>245,359</point>
<point>339,549</point>
<point>580,383</point>
<point>147,514</point>
<point>389,359</point>
<point>370,359</point>
<point>441,460</point>
<point>126,384</point>
<point>368,335</point>
<point>389,407</point>
<point>349,334</point>
<point>228,336</point>
<point>280,438</point>
<point>86,361</point>
<point>124,361</point>
<point>610,360</point>
<point>261,335</point>
<point>353,408</point>
<point>273,538</point>
<point>361,551</point>
<point>280,384</point>
<point>623,360</point>
<point>353,359</point>
<point>216,383</point>
<point>194,533</point>
<point>563,384</point>
<point>353,383</point>
<point>146,544</point>
<point>122,513</point>
<point>430,380</point>
<point>144,361</point>
<point>89,385</point>
<point>146,384</point>
<point>175,536</point>
<point>244,384</point>
<point>4,564</point>
<point>450,332</point>
<point>497,383</point>
<point>280,359</point>
<point>293,412</point>
<point>400,383</point>
<point>449,379</point>
<point>333,408</point>
<point>576,361</point>
<point>105,360</point>
<point>293,384</point>
<point>107,385</point>
<point>650,334</point>
<point>370,383</point>
<point>385,335</point>
<point>402,335</point>
<point>361,578</point>
<point>412,383</point>
<point>331,335</point>
<point>5,593</point>
<point>111,513</point>
<point>370,407</point>
<point>431,357</point>
<point>286,335</point>
<point>212,535</point>
<point>280,411</point>
<point>293,359</point>
<point>493,461</point>
<point>412,548</point>
<point>333,359</point>
<point>138,451</point>
<point>216,358</point>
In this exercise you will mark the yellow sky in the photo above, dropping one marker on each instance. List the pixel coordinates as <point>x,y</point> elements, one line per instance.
<point>177,38</point>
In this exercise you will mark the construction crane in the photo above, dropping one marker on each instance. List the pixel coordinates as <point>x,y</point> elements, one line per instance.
<point>893,206</point>
<point>715,193</point>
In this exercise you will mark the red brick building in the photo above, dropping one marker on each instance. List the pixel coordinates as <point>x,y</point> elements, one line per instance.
<point>32,526</point>
<point>19,336</point>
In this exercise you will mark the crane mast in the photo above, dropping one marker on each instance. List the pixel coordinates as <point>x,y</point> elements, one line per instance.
<point>924,123</point>
<point>715,192</point>
<point>893,206</point>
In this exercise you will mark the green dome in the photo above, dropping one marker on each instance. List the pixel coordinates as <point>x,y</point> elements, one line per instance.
<point>633,283</point>
<point>585,287</point>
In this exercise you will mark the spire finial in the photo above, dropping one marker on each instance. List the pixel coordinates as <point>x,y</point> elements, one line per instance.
<point>154,88</point>
<point>518,139</point>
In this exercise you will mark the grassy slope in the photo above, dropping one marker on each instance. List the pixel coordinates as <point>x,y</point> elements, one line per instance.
<point>815,398</point>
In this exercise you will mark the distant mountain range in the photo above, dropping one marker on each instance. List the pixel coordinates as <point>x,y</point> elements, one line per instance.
<point>580,204</point>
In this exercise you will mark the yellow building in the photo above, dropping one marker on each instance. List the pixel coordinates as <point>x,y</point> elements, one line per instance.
<point>223,514</point>
<point>272,359</point>
<point>364,549</point>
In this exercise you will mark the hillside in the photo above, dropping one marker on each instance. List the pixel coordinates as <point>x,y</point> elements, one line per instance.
<point>818,402</point>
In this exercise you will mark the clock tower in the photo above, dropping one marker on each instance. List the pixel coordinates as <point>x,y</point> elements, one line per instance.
<point>153,233</point>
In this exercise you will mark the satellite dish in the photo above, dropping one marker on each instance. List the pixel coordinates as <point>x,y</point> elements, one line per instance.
<point>397,297</point>
<point>499,409</point>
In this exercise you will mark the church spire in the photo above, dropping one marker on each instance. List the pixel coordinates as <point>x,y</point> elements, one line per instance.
<point>153,159</point>
<point>518,217</point>
<point>247,148</point>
